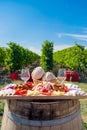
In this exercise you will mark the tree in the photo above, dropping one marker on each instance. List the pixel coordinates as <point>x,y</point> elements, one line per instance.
<point>29,56</point>
<point>2,56</point>
<point>17,56</point>
<point>46,60</point>
<point>85,54</point>
<point>72,57</point>
<point>8,60</point>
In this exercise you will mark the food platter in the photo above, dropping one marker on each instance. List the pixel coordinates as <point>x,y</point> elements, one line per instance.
<point>42,91</point>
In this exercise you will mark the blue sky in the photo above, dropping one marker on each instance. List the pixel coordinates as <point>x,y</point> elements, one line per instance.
<point>31,22</point>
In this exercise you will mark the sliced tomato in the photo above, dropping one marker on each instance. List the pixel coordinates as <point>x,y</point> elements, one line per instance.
<point>30,84</point>
<point>47,93</point>
<point>44,90</point>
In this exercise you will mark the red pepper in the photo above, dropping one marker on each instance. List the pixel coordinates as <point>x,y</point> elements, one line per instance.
<point>66,89</point>
<point>17,92</point>
<point>21,92</point>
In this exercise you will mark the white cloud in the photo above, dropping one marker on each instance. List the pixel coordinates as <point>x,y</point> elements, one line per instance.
<point>61,47</point>
<point>34,49</point>
<point>56,48</point>
<point>75,36</point>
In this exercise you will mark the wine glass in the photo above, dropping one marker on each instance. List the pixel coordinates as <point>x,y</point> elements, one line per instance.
<point>25,74</point>
<point>61,75</point>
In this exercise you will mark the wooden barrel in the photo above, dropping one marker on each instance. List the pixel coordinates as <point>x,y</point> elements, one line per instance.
<point>41,115</point>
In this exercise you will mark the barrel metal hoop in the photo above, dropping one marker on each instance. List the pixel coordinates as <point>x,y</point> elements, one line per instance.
<point>57,122</point>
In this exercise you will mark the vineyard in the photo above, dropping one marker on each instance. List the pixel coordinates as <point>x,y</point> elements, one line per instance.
<point>14,57</point>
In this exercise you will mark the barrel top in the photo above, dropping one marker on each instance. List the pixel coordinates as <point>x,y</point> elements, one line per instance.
<point>42,97</point>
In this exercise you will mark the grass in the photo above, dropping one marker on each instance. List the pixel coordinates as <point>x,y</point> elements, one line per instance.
<point>83,102</point>
<point>1,110</point>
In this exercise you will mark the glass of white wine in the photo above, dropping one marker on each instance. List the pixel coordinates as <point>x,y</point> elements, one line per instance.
<point>25,74</point>
<point>61,75</point>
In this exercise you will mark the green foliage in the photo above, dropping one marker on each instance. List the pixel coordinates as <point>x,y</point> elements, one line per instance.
<point>2,56</point>
<point>8,60</point>
<point>1,110</point>
<point>29,57</point>
<point>84,126</point>
<point>85,54</point>
<point>17,56</point>
<point>46,60</point>
<point>1,107</point>
<point>72,57</point>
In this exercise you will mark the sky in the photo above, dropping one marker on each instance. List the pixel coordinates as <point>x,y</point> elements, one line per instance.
<point>30,22</point>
